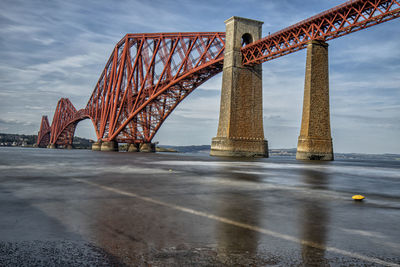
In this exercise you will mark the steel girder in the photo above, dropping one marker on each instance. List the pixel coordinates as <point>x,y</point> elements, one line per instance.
<point>344,19</point>
<point>43,138</point>
<point>146,77</point>
<point>65,119</point>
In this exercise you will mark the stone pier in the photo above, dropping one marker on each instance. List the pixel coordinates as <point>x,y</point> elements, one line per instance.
<point>315,141</point>
<point>133,148</point>
<point>240,129</point>
<point>147,147</point>
<point>96,146</point>
<point>109,146</point>
<point>52,146</point>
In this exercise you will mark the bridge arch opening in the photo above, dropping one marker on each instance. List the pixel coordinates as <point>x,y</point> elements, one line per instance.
<point>64,137</point>
<point>247,38</point>
<point>84,129</point>
<point>196,117</point>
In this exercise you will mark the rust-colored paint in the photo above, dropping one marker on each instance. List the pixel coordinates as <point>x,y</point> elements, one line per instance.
<point>149,74</point>
<point>44,133</point>
<point>343,19</point>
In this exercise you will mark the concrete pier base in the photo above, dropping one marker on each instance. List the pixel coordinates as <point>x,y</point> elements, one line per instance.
<point>96,146</point>
<point>228,147</point>
<point>109,146</point>
<point>147,147</point>
<point>52,146</point>
<point>69,147</point>
<point>314,149</point>
<point>133,148</point>
<point>315,141</point>
<point>240,128</point>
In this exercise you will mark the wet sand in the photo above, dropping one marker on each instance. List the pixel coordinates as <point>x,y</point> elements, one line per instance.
<point>77,208</point>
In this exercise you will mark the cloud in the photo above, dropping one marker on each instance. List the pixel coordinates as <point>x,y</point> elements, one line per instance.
<point>34,107</point>
<point>214,84</point>
<point>14,122</point>
<point>17,126</point>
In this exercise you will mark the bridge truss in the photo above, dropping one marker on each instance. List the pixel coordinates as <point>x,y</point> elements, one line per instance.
<point>341,20</point>
<point>44,133</point>
<point>148,75</point>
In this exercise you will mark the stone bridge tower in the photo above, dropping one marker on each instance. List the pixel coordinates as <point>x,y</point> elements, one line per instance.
<point>240,129</point>
<point>315,141</point>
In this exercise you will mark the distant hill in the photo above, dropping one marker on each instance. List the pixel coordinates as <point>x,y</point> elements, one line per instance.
<point>17,139</point>
<point>29,141</point>
<point>188,149</point>
<point>288,152</point>
<point>207,148</point>
<point>83,143</point>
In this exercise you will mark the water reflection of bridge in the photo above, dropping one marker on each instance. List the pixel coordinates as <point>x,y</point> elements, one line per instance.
<point>253,208</point>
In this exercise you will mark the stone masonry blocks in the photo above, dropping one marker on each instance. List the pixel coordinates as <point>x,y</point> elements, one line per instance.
<point>96,146</point>
<point>315,141</point>
<point>240,128</point>
<point>109,146</point>
<point>147,147</point>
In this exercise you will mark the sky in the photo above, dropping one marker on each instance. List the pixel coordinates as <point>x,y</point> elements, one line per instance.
<point>54,49</point>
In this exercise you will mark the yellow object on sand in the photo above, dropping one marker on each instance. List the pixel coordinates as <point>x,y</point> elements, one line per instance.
<point>358,197</point>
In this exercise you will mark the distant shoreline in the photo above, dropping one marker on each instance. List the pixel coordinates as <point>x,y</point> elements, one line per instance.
<point>29,141</point>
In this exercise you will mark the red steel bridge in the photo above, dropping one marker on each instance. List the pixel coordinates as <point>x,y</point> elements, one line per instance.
<point>149,74</point>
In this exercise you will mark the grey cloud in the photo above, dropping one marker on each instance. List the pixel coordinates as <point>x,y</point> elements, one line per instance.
<point>16,126</point>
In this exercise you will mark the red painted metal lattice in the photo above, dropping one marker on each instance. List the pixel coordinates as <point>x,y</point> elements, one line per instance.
<point>148,75</point>
<point>65,119</point>
<point>44,133</point>
<point>347,18</point>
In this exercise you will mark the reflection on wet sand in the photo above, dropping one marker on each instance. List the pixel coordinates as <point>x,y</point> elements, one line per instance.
<point>242,207</point>
<point>315,217</point>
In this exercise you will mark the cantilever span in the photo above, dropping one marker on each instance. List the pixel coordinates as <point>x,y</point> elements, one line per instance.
<point>149,74</point>
<point>65,119</point>
<point>44,133</point>
<point>146,77</point>
<point>352,16</point>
